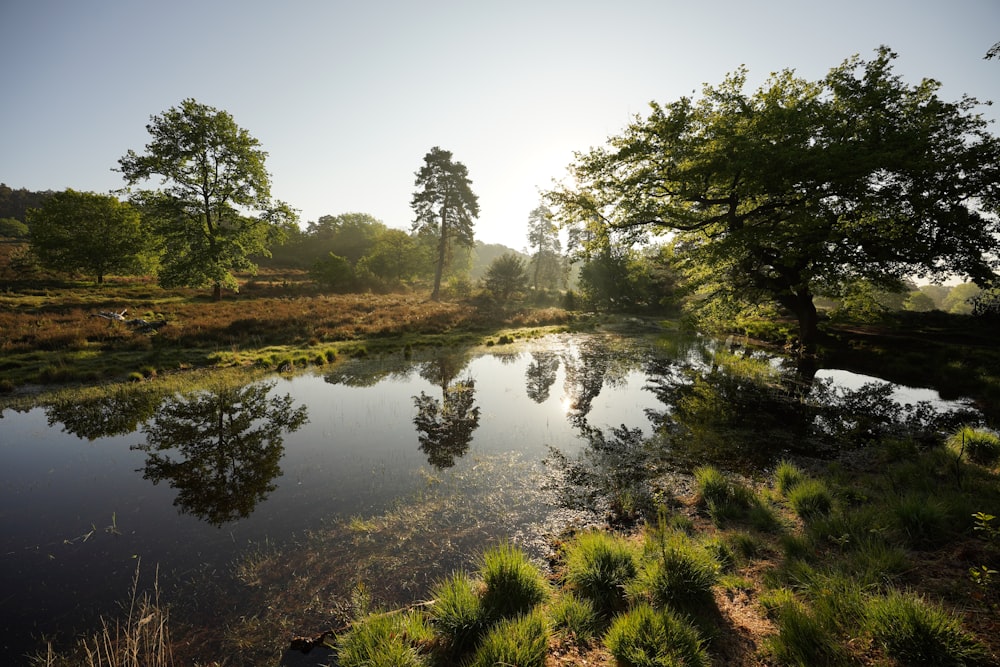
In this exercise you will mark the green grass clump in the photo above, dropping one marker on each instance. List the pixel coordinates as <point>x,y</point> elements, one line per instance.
<point>645,637</point>
<point>518,642</point>
<point>810,498</point>
<point>916,632</point>
<point>922,520</point>
<point>802,638</point>
<point>982,447</point>
<point>787,476</point>
<point>599,565</point>
<point>575,615</point>
<point>681,578</point>
<point>456,614</point>
<point>514,585</point>
<point>384,640</point>
<point>724,499</point>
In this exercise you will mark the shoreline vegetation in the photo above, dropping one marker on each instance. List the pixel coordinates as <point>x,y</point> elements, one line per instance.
<point>887,558</point>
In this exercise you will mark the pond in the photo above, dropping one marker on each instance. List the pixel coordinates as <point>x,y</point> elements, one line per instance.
<point>279,500</point>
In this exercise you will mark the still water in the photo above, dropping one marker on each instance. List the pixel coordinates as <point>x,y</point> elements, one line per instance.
<point>194,483</point>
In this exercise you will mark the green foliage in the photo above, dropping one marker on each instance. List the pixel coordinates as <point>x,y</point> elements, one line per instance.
<point>514,585</point>
<point>644,637</point>
<point>384,640</point>
<point>922,520</point>
<point>445,207</point>
<point>980,446</point>
<point>803,639</point>
<point>457,613</point>
<point>599,566</point>
<point>88,232</point>
<point>516,642</point>
<point>680,577</point>
<point>917,632</point>
<point>546,259</point>
<point>810,498</point>
<point>333,272</point>
<point>506,278</point>
<point>13,228</point>
<point>214,211</point>
<point>800,187</point>
<point>726,499</point>
<point>576,615</point>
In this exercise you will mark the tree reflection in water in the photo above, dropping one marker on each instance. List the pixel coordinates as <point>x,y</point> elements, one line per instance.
<point>220,448</point>
<point>117,413</point>
<point>445,427</point>
<point>541,375</point>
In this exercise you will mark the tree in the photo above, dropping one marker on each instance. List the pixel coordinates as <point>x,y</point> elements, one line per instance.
<point>445,207</point>
<point>394,257</point>
<point>804,186</point>
<point>214,210</point>
<point>88,232</point>
<point>505,278</point>
<point>543,238</point>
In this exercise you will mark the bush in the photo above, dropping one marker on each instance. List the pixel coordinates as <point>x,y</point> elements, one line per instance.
<point>645,637</point>
<point>982,447</point>
<point>916,632</point>
<point>513,584</point>
<point>515,642</point>
<point>598,567</point>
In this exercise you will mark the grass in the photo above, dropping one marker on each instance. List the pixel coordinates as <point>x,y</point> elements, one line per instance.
<point>514,585</point>
<point>979,445</point>
<point>522,641</point>
<point>646,637</point>
<point>599,566</point>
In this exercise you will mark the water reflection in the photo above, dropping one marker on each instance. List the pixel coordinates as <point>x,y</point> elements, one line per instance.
<point>541,375</point>
<point>220,449</point>
<point>118,413</point>
<point>445,427</point>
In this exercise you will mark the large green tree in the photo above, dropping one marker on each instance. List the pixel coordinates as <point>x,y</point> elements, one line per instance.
<point>445,207</point>
<point>213,208</point>
<point>802,187</point>
<point>88,232</point>
<point>543,240</point>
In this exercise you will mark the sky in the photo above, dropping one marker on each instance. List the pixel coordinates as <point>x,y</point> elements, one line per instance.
<point>348,97</point>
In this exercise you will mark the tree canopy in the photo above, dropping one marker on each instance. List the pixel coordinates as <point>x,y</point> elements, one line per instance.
<point>445,207</point>
<point>802,187</point>
<point>213,210</point>
<point>88,232</point>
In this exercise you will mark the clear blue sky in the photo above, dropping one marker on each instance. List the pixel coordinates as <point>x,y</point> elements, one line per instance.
<point>347,97</point>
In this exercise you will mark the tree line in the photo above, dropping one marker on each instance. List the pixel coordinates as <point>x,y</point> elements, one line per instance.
<point>735,202</point>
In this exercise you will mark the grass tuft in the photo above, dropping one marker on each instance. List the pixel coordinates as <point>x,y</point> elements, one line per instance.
<point>644,637</point>
<point>598,567</point>
<point>514,585</point>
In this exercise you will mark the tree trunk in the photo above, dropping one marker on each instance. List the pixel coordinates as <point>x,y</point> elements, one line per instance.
<point>442,252</point>
<point>802,306</point>
<point>217,292</point>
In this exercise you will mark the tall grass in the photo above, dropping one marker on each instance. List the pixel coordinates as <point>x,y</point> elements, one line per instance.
<point>514,585</point>
<point>384,640</point>
<point>457,613</point>
<point>515,642</point>
<point>599,565</point>
<point>917,632</point>
<point>645,637</point>
<point>980,446</point>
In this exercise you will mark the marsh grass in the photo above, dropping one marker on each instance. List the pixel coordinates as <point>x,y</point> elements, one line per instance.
<point>385,640</point>
<point>574,615</point>
<point>810,498</point>
<point>979,445</point>
<point>803,639</point>
<point>521,641</point>
<point>513,584</point>
<point>646,637</point>
<point>917,632</point>
<point>598,567</point>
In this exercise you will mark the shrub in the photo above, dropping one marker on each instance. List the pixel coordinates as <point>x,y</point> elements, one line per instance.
<point>598,567</point>
<point>515,642</point>
<point>513,584</point>
<point>919,633</point>
<point>382,640</point>
<point>645,637</point>
<point>456,614</point>
<point>810,498</point>
<point>576,615</point>
<point>982,447</point>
